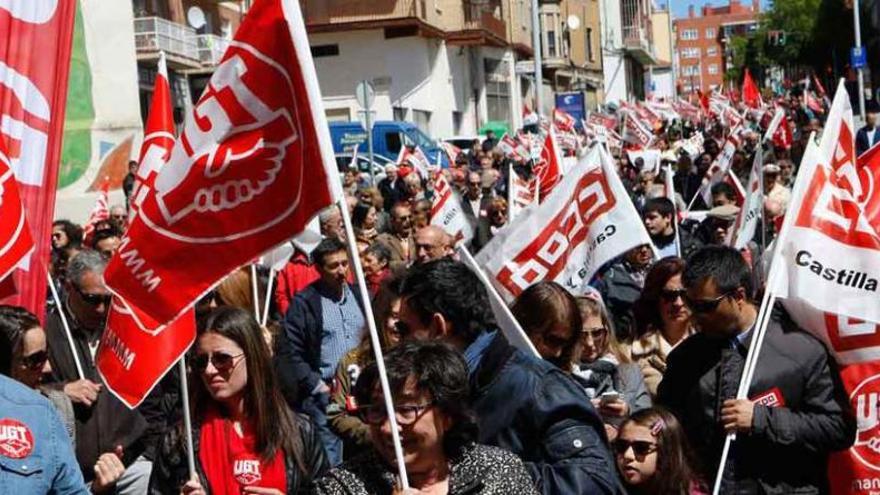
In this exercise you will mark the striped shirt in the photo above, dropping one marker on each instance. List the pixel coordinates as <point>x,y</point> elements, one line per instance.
<point>343,326</point>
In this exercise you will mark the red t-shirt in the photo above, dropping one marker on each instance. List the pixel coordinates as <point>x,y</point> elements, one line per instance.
<point>230,461</point>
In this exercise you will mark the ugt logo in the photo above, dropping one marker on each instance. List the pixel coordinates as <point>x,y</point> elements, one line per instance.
<point>865,399</point>
<point>240,148</point>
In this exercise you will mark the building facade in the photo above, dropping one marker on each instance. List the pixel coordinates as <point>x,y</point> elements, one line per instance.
<point>662,77</point>
<point>448,66</point>
<point>702,41</point>
<point>627,48</point>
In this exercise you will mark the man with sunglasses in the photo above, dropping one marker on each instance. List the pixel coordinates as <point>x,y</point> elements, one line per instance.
<point>796,412</point>
<point>523,403</point>
<point>399,240</point>
<point>103,422</point>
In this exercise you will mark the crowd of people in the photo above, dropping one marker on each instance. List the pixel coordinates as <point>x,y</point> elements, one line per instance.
<point>633,390</point>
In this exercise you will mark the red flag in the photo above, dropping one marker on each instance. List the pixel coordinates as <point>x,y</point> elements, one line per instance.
<point>158,136</point>
<point>548,169</point>
<point>35,44</point>
<point>15,235</point>
<point>865,182</point>
<point>100,212</point>
<point>563,121</point>
<point>751,95</point>
<point>782,136</point>
<point>252,166</point>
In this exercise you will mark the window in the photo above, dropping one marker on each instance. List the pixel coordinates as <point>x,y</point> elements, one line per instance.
<point>422,120</point>
<point>710,33</point>
<point>399,113</point>
<point>551,43</point>
<point>713,69</point>
<point>690,53</point>
<point>393,142</point>
<point>711,51</point>
<point>338,115</point>
<point>497,89</point>
<point>589,40</point>
<point>325,51</point>
<point>688,34</point>
<point>690,70</point>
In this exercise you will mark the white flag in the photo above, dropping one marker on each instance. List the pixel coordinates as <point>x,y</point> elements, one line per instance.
<point>746,223</point>
<point>650,159</point>
<point>446,211</point>
<point>718,171</point>
<point>520,194</point>
<point>828,265</point>
<point>586,222</point>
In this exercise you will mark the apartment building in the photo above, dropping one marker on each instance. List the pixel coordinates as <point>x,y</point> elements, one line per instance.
<point>571,49</point>
<point>627,48</point>
<point>448,66</point>
<point>702,41</point>
<point>662,77</point>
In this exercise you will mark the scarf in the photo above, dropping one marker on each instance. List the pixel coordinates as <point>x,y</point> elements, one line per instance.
<point>230,461</point>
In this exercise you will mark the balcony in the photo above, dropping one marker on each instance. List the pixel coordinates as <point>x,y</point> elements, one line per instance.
<point>637,43</point>
<point>480,27</point>
<point>338,15</point>
<point>211,48</point>
<point>154,34</point>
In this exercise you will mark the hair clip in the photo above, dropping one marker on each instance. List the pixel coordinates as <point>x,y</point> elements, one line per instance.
<point>658,426</point>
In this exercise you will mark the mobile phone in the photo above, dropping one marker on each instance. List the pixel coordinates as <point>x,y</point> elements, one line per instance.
<point>609,397</point>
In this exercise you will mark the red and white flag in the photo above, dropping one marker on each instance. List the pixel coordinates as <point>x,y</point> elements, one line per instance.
<point>253,165</point>
<point>548,169</point>
<point>452,151</point>
<point>158,137</point>
<point>829,252</point>
<point>513,148</point>
<point>606,121</point>
<point>563,121</point>
<point>15,235</point>
<point>750,93</point>
<point>415,158</point>
<point>636,132</point>
<point>588,221</point>
<point>446,211</point>
<point>529,116</point>
<point>35,45</point>
<point>100,211</point>
<point>746,223</point>
<point>866,183</point>
<point>719,169</point>
<point>520,194</point>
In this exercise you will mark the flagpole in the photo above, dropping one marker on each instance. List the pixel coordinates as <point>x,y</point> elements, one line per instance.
<point>255,292</point>
<point>187,419</point>
<point>66,325</point>
<point>374,340</point>
<point>268,299</point>
<point>675,219</point>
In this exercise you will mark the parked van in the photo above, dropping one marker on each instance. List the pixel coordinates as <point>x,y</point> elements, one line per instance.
<point>388,137</point>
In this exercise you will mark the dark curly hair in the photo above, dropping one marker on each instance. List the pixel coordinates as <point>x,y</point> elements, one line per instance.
<point>14,322</point>
<point>435,368</point>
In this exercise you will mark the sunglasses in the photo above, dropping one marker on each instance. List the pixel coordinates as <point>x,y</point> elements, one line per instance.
<point>406,414</point>
<point>594,333</point>
<point>705,305</point>
<point>35,361</point>
<point>93,299</point>
<point>641,448</point>
<point>221,361</point>
<point>672,295</point>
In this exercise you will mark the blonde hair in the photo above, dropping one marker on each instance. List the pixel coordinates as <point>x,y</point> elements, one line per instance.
<point>591,306</point>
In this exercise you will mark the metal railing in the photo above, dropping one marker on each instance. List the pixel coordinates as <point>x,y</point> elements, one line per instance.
<point>211,48</point>
<point>484,19</point>
<point>154,34</point>
<point>318,12</point>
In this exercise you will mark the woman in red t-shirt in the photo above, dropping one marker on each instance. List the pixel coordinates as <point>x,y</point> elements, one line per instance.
<point>246,439</point>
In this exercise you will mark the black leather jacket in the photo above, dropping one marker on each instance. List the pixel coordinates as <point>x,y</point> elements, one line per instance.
<point>170,470</point>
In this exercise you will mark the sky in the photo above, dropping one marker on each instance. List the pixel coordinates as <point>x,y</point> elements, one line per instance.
<point>680,7</point>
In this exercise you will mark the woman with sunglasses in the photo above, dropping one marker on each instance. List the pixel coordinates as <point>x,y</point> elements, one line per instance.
<point>663,320</point>
<point>653,456</point>
<point>27,361</point>
<point>612,382</point>
<point>429,385</point>
<point>246,439</point>
<point>550,318</point>
<point>342,414</point>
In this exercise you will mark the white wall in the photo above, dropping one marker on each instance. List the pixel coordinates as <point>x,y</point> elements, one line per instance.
<point>664,84</point>
<point>613,68</point>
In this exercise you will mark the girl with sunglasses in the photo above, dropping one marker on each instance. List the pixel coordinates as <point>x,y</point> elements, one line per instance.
<point>613,383</point>
<point>653,456</point>
<point>246,439</point>
<point>663,320</point>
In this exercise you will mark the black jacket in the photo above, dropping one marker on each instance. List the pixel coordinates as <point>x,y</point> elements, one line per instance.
<point>863,144</point>
<point>298,347</point>
<point>621,285</point>
<point>108,422</point>
<point>787,450</point>
<point>170,470</point>
<point>533,409</point>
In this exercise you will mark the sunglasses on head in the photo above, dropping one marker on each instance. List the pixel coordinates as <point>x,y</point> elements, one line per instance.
<point>672,295</point>
<point>705,305</point>
<point>641,448</point>
<point>93,299</point>
<point>221,361</point>
<point>35,361</point>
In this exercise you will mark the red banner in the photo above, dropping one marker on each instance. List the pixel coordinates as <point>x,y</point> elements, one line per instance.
<point>857,469</point>
<point>15,235</point>
<point>35,44</point>
<point>252,166</point>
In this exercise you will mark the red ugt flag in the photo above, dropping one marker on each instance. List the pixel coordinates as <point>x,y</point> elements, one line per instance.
<point>548,169</point>
<point>15,236</point>
<point>750,93</point>
<point>253,165</point>
<point>35,42</point>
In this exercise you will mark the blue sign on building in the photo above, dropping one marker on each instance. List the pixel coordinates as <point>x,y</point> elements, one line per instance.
<point>857,57</point>
<point>573,104</point>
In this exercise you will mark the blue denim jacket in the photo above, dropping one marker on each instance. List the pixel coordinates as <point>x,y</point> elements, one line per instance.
<point>51,466</point>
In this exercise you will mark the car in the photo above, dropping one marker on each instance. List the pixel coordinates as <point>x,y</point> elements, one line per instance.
<point>388,139</point>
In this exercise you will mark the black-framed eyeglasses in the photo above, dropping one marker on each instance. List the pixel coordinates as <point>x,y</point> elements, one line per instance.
<point>641,448</point>
<point>93,299</point>
<point>406,414</point>
<point>672,295</point>
<point>705,305</point>
<point>221,361</point>
<point>35,361</point>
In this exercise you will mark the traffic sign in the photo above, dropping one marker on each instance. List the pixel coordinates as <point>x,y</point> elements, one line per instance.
<point>857,57</point>
<point>365,94</point>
